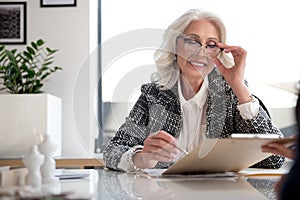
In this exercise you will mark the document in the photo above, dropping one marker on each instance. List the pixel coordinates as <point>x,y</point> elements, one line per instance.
<point>71,174</point>
<point>223,155</point>
<point>158,173</point>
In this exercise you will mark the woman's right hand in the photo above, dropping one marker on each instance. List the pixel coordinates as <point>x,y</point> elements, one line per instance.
<point>159,146</point>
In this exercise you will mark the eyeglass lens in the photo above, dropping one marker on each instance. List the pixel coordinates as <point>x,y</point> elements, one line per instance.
<point>193,46</point>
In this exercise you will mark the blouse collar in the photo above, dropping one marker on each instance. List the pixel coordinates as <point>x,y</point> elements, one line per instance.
<point>200,97</point>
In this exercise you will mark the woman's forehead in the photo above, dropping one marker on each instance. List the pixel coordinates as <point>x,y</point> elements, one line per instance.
<point>201,29</point>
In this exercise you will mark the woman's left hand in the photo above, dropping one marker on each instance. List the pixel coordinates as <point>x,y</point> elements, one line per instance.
<point>234,75</point>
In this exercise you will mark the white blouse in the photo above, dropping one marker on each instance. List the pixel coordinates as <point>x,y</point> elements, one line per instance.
<point>193,115</point>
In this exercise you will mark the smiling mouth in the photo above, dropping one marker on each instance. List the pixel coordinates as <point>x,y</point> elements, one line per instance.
<point>198,64</point>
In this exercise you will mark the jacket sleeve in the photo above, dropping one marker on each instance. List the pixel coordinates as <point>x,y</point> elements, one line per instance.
<point>131,133</point>
<point>261,124</point>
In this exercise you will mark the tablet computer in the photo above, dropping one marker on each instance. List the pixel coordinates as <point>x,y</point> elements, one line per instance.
<point>224,154</point>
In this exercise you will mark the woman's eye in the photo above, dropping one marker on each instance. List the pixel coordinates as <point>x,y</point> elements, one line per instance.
<point>190,41</point>
<point>211,46</point>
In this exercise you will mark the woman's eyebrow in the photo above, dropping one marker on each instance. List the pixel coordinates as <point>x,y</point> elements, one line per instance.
<point>193,35</point>
<point>198,37</point>
<point>212,38</point>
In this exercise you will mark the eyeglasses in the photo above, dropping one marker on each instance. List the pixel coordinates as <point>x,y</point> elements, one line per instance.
<point>193,46</point>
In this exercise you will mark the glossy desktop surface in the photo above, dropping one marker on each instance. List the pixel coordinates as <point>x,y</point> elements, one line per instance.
<point>109,185</point>
<point>118,185</point>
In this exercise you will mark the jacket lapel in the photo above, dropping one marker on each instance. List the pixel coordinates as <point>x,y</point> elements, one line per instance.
<point>216,107</point>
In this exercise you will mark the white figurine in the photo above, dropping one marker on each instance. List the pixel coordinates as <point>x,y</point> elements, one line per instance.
<point>48,148</point>
<point>33,162</point>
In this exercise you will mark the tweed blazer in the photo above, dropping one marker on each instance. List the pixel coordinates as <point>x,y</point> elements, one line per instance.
<point>159,109</point>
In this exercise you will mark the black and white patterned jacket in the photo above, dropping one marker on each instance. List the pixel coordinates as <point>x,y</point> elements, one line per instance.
<point>158,109</point>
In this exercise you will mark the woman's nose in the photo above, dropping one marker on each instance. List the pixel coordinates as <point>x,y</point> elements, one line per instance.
<point>201,51</point>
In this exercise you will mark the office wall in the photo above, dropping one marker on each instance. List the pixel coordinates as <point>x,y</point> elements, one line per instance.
<point>67,29</point>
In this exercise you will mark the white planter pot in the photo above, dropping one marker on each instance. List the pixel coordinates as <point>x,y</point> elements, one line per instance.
<point>22,116</point>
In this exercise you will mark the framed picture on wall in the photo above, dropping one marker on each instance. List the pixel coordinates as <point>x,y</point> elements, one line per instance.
<point>58,3</point>
<point>12,22</point>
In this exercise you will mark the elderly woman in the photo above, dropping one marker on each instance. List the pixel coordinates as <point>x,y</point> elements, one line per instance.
<point>199,92</point>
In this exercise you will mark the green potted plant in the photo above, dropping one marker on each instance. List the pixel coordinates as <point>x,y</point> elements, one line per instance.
<point>27,112</point>
<point>24,72</point>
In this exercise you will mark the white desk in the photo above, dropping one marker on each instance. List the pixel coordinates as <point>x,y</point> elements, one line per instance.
<point>110,185</point>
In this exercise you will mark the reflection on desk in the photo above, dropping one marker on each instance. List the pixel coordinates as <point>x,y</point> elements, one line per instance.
<point>111,185</point>
<point>118,185</point>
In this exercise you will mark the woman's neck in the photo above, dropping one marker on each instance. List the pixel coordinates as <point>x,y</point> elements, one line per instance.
<point>189,88</point>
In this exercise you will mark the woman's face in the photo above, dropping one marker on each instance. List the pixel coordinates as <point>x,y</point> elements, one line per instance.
<point>195,65</point>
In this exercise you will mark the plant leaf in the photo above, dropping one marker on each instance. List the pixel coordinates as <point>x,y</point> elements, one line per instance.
<point>28,55</point>
<point>30,50</point>
<point>40,42</point>
<point>34,45</point>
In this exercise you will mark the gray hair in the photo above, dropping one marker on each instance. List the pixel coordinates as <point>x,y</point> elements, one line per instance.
<point>167,68</point>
